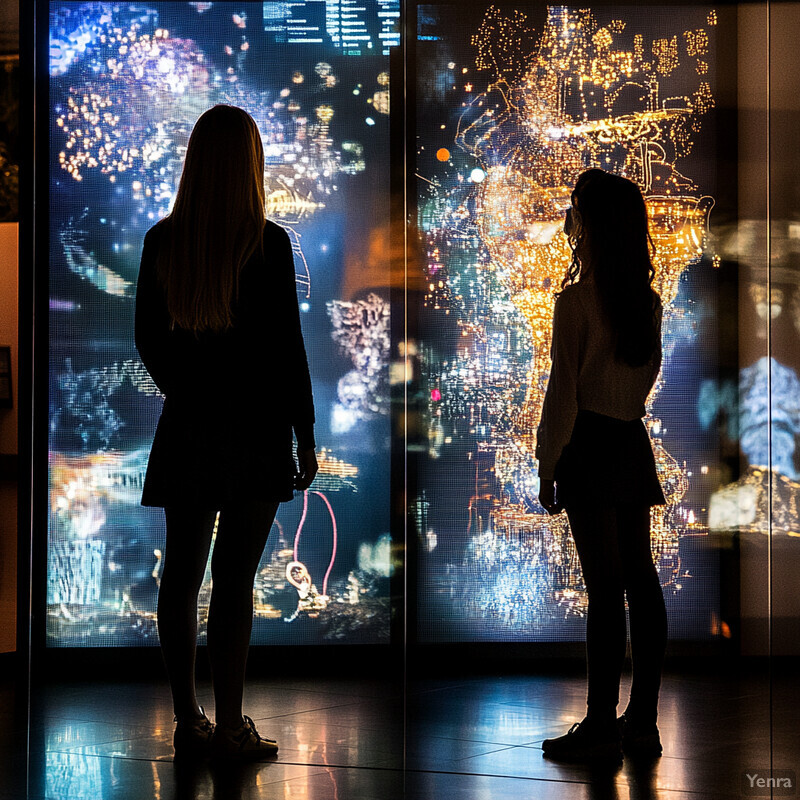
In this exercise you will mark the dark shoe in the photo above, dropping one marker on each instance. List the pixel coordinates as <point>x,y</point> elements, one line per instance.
<point>193,736</point>
<point>639,740</point>
<point>585,742</point>
<point>242,743</point>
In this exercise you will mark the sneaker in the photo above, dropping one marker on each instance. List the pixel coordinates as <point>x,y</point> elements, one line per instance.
<point>639,739</point>
<point>193,736</point>
<point>243,742</point>
<point>584,742</point>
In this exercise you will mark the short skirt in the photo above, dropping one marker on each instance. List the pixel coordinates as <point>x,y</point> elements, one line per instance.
<point>209,460</point>
<point>607,462</point>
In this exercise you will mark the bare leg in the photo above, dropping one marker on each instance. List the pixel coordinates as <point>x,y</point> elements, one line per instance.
<point>185,558</point>
<point>241,538</point>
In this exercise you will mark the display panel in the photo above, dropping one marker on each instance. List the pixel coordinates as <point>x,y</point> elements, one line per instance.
<point>127,82</point>
<point>512,104</point>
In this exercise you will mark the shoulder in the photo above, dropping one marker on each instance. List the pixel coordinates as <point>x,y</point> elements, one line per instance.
<point>573,300</point>
<point>658,308</point>
<point>157,230</point>
<point>274,232</point>
<point>150,248</point>
<point>657,305</point>
<point>153,236</point>
<point>570,294</point>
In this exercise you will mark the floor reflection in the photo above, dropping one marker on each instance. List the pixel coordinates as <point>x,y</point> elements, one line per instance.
<point>473,738</point>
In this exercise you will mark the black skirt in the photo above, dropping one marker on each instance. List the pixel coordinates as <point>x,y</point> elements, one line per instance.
<point>213,457</point>
<point>607,462</point>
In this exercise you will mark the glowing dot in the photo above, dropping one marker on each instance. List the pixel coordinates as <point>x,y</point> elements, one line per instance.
<point>443,154</point>
<point>477,175</point>
<point>369,121</point>
<point>451,65</point>
<point>436,395</point>
<point>305,306</point>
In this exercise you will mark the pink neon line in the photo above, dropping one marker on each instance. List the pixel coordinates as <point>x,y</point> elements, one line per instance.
<point>333,551</point>
<point>300,524</point>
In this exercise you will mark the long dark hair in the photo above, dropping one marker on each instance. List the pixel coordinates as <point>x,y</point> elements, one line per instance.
<point>217,221</point>
<point>608,231</point>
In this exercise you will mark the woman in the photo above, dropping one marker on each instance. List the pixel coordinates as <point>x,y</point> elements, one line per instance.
<point>596,461</point>
<point>218,328</point>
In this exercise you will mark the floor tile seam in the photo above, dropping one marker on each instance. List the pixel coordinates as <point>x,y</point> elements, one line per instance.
<point>421,692</point>
<point>166,735</point>
<point>209,763</point>
<point>113,756</point>
<point>322,769</point>
<point>308,711</point>
<point>371,756</point>
<point>254,687</point>
<point>79,749</point>
<point>485,741</point>
<point>82,721</point>
<point>321,766</point>
<point>355,698</point>
<point>481,755</point>
<point>361,767</point>
<point>495,775</point>
<point>434,737</point>
<point>589,780</point>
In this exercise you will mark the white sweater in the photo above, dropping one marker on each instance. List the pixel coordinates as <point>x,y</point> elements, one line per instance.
<point>585,375</point>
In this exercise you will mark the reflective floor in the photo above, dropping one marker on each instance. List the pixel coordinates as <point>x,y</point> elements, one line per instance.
<point>470,738</point>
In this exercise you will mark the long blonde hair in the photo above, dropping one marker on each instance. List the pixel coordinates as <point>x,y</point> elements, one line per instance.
<point>217,221</point>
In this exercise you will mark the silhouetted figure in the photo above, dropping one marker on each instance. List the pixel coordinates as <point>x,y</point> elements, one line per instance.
<point>218,328</point>
<point>596,460</point>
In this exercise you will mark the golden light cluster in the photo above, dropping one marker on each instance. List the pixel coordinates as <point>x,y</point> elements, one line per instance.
<point>91,141</point>
<point>665,52</point>
<point>324,114</point>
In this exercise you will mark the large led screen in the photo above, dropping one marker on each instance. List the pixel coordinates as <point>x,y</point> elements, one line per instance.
<point>127,82</point>
<point>512,104</point>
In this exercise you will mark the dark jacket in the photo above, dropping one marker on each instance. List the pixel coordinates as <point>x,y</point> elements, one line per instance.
<point>233,398</point>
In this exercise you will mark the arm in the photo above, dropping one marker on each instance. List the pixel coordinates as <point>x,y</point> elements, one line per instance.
<point>302,410</point>
<point>152,321</point>
<point>561,398</point>
<point>657,354</point>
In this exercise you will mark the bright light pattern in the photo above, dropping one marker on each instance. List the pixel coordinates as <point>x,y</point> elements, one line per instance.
<point>583,94</point>
<point>125,90</point>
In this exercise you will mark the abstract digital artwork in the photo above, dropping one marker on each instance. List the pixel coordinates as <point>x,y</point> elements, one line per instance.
<point>509,106</point>
<point>127,82</point>
<point>508,117</point>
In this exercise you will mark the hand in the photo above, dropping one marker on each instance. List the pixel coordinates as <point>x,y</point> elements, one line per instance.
<point>547,498</point>
<point>307,468</point>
